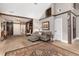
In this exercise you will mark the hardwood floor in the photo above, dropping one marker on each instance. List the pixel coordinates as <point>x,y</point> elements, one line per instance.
<point>45,49</point>
<point>13,43</point>
<point>74,47</point>
<point>16,42</point>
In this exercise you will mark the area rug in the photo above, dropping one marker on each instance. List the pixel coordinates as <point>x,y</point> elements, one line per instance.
<point>39,49</point>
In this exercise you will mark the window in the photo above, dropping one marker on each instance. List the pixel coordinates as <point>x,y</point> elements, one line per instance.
<point>48,12</point>
<point>74,5</point>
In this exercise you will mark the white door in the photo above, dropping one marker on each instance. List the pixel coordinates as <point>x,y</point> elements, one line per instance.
<point>58,28</point>
<point>16,29</point>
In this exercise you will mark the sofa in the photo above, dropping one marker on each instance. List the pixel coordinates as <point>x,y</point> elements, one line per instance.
<point>44,36</point>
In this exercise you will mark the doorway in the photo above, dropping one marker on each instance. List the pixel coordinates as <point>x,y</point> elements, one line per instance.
<point>29,27</point>
<point>9,28</point>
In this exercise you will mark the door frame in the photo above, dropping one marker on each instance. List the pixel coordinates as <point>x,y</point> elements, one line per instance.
<point>69,29</point>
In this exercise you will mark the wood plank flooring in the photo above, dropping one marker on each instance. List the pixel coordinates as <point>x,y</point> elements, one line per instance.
<point>16,42</point>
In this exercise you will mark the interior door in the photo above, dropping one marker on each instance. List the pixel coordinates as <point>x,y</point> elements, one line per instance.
<point>58,28</point>
<point>16,29</point>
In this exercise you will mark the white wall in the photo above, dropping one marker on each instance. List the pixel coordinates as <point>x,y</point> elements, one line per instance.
<point>52,8</point>
<point>51,24</point>
<point>65,18</point>
<point>23,29</point>
<point>50,19</point>
<point>36,25</point>
<point>56,9</point>
<point>64,30</point>
<point>24,9</point>
<point>59,8</point>
<point>62,7</point>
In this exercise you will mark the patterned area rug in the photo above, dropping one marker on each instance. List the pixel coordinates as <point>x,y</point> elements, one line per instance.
<point>40,49</point>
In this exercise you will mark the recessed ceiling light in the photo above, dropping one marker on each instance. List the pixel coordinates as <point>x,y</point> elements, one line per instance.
<point>35,3</point>
<point>11,11</point>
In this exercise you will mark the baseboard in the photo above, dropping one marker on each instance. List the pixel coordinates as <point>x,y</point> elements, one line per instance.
<point>77,37</point>
<point>64,41</point>
<point>61,40</point>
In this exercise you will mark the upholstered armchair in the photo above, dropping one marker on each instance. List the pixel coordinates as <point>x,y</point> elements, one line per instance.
<point>44,36</point>
<point>34,37</point>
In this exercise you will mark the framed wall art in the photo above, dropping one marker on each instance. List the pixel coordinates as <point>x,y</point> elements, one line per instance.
<point>45,25</point>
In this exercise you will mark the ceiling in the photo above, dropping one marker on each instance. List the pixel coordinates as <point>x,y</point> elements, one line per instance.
<point>31,10</point>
